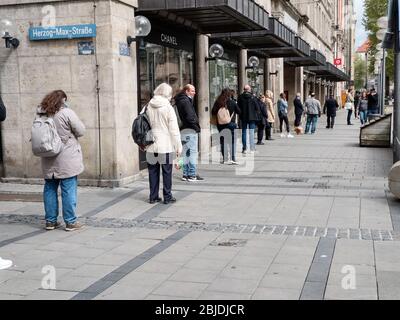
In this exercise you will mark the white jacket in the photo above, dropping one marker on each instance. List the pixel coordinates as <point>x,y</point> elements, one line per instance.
<point>164,126</point>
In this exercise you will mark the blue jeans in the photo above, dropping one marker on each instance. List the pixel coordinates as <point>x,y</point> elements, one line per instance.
<point>69,188</point>
<point>363,116</point>
<point>312,120</point>
<point>190,153</point>
<point>252,126</point>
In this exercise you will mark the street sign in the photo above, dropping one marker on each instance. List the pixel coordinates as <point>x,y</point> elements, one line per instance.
<point>62,32</point>
<point>337,62</point>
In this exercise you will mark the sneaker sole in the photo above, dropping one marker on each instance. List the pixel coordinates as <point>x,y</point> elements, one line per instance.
<point>73,229</point>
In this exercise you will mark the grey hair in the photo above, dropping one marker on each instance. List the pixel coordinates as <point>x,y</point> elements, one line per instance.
<point>164,90</point>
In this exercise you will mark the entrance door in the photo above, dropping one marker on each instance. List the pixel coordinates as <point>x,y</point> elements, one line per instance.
<point>159,64</point>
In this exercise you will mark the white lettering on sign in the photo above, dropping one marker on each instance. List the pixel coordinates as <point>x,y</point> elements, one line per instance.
<point>169,39</point>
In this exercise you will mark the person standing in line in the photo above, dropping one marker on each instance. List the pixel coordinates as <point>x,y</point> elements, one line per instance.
<point>298,110</point>
<point>63,169</point>
<point>226,107</point>
<point>356,102</point>
<point>330,108</point>
<point>263,115</point>
<point>190,136</point>
<point>4,264</point>
<point>269,97</point>
<point>248,115</point>
<point>363,108</point>
<point>373,107</point>
<point>349,106</point>
<point>283,115</point>
<point>313,111</point>
<point>167,143</point>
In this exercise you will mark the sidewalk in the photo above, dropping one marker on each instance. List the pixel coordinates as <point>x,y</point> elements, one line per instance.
<point>315,210</point>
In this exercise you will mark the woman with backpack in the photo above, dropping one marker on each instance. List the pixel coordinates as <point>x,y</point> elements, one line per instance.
<point>63,169</point>
<point>225,109</point>
<point>167,143</point>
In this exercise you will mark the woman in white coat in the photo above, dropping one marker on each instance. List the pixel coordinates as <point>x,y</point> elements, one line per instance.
<point>167,143</point>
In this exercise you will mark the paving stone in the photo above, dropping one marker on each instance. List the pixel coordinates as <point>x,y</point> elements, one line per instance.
<point>361,293</point>
<point>181,289</point>
<point>233,285</point>
<point>276,294</point>
<point>313,291</point>
<point>194,275</point>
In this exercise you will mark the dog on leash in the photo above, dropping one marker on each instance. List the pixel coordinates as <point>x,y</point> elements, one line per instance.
<point>299,130</point>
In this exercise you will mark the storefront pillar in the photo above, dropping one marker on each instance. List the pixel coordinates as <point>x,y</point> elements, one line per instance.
<point>267,81</point>
<point>203,94</point>
<point>242,76</point>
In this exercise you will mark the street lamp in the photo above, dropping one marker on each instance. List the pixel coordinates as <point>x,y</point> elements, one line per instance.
<point>142,27</point>
<point>216,51</point>
<point>6,34</point>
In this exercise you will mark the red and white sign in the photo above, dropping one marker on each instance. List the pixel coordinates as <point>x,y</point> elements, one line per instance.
<point>337,62</point>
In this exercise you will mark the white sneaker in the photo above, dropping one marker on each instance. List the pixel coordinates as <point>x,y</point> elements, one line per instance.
<point>5,264</point>
<point>290,135</point>
<point>283,135</point>
<point>233,163</point>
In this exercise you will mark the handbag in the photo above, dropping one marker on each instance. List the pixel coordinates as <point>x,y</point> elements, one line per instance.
<point>223,116</point>
<point>348,106</point>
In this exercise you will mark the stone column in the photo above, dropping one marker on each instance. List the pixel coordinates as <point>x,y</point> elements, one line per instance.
<point>242,76</point>
<point>203,94</point>
<point>267,80</point>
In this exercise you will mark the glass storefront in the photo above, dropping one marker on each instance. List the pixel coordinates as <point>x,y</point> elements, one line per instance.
<point>160,64</point>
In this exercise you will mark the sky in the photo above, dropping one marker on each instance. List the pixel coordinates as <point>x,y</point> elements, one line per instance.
<point>361,34</point>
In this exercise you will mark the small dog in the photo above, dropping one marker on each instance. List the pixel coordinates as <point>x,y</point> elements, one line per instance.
<point>299,130</point>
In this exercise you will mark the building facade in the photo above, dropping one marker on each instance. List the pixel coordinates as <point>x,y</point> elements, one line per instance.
<point>108,82</point>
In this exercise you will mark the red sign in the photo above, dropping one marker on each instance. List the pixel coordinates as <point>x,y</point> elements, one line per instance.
<point>337,62</point>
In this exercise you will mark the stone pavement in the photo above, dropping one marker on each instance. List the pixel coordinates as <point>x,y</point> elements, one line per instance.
<point>313,220</point>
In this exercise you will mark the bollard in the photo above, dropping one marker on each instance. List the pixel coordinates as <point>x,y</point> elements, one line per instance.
<point>394,180</point>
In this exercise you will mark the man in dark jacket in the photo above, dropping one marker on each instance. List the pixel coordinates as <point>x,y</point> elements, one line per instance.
<point>373,107</point>
<point>248,108</point>
<point>298,110</point>
<point>263,116</point>
<point>190,132</point>
<point>2,110</point>
<point>330,108</point>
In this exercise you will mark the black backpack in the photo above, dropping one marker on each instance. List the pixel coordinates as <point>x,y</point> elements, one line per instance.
<point>141,131</point>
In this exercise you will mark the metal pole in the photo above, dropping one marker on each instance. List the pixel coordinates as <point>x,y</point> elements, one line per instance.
<point>396,113</point>
<point>366,71</point>
<point>383,82</point>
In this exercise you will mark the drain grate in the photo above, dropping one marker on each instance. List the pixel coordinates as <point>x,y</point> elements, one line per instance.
<point>297,180</point>
<point>230,243</point>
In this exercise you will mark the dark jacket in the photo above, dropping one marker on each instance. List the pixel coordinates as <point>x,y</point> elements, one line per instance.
<point>187,113</point>
<point>372,102</point>
<point>262,112</point>
<point>298,107</point>
<point>330,107</point>
<point>248,107</point>
<point>3,112</point>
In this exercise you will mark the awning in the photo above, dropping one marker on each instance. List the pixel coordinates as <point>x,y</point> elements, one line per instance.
<point>277,42</point>
<point>315,58</point>
<point>330,72</point>
<point>208,16</point>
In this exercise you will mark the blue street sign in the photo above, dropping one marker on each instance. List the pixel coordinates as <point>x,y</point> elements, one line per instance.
<point>62,32</point>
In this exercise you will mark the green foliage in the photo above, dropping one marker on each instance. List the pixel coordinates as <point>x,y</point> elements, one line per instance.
<point>359,73</point>
<point>373,10</point>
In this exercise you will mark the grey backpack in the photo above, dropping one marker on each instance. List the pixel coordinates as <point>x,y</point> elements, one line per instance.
<point>45,140</point>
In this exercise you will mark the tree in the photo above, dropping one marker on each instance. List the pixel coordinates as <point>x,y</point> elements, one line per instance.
<point>359,73</point>
<point>373,10</point>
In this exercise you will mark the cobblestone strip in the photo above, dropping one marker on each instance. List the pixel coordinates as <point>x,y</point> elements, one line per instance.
<point>287,230</point>
<point>21,237</point>
<point>113,277</point>
<point>317,278</point>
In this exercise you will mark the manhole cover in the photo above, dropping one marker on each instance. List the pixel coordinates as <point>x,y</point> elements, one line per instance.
<point>230,243</point>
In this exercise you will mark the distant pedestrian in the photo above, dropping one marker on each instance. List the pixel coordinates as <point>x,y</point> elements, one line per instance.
<point>373,107</point>
<point>263,115</point>
<point>363,108</point>
<point>298,110</point>
<point>63,169</point>
<point>225,110</point>
<point>190,132</point>
<point>269,102</point>
<point>349,106</point>
<point>356,103</point>
<point>283,115</point>
<point>313,111</point>
<point>167,145</point>
<point>330,108</point>
<point>248,115</point>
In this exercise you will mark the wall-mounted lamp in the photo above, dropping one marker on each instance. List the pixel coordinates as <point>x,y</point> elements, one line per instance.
<point>143,29</point>
<point>215,52</point>
<point>253,64</point>
<point>278,67</point>
<point>5,31</point>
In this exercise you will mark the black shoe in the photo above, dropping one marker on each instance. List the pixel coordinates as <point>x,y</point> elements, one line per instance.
<point>198,178</point>
<point>155,200</point>
<point>185,178</point>
<point>327,127</point>
<point>260,143</point>
<point>52,225</point>
<point>172,200</point>
<point>349,124</point>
